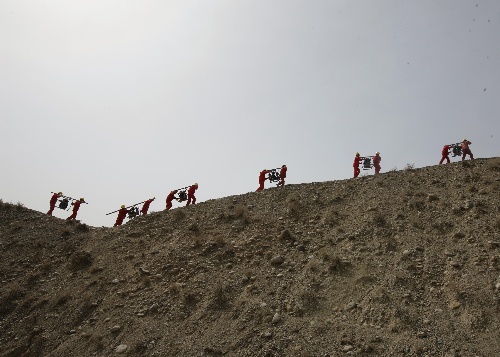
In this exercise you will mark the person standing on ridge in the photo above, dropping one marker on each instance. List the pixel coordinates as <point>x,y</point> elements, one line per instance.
<point>376,162</point>
<point>53,201</point>
<point>191,191</point>
<point>76,207</point>
<point>444,154</point>
<point>356,163</point>
<point>122,213</point>
<point>282,176</point>
<point>170,198</point>
<point>262,178</point>
<point>145,206</point>
<point>466,150</point>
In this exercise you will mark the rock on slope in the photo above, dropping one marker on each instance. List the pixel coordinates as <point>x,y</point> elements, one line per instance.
<point>404,263</point>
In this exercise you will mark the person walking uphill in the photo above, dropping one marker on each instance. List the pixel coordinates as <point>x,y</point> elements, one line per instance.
<point>170,198</point>
<point>262,178</point>
<point>466,150</point>
<point>191,191</point>
<point>76,207</point>
<point>145,206</point>
<point>122,213</point>
<point>444,154</point>
<point>356,163</point>
<point>282,176</point>
<point>376,162</point>
<point>53,201</point>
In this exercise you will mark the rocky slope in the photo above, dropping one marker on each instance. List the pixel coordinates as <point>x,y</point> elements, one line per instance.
<point>404,263</point>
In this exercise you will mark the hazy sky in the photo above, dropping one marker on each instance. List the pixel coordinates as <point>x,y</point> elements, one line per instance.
<point>117,101</point>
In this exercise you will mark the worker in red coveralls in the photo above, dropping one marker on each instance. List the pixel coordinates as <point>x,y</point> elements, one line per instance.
<point>191,191</point>
<point>76,207</point>
<point>122,213</point>
<point>376,162</point>
<point>170,198</point>
<point>145,206</point>
<point>466,150</point>
<point>53,201</point>
<point>282,176</point>
<point>262,178</point>
<point>356,163</point>
<point>444,154</point>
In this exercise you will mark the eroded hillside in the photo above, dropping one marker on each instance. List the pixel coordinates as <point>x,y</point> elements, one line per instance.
<point>404,263</point>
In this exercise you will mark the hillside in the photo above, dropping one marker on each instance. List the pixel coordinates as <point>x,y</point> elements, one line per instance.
<point>404,263</point>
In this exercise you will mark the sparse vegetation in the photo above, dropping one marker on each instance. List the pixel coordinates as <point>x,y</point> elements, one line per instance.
<point>415,253</point>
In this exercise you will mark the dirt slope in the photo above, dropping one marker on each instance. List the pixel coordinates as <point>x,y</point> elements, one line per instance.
<point>405,263</point>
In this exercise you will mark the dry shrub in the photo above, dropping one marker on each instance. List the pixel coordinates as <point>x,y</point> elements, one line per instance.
<point>241,211</point>
<point>219,241</point>
<point>82,227</point>
<point>80,260</point>
<point>61,298</point>
<point>332,217</point>
<point>175,288</point>
<point>380,220</point>
<point>309,300</point>
<point>409,166</point>
<point>293,205</point>
<point>193,227</point>
<point>178,214</point>
<point>221,297</point>
<point>8,301</point>
<point>66,232</point>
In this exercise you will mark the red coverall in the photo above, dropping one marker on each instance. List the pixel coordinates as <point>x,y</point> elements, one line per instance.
<point>170,198</point>
<point>191,191</point>
<point>262,178</point>
<point>466,150</point>
<point>53,201</point>
<point>145,206</point>
<point>376,163</point>
<point>122,213</point>
<point>76,207</point>
<point>282,175</point>
<point>444,154</point>
<point>355,164</point>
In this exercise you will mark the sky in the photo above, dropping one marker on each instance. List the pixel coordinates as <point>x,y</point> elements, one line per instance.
<point>119,101</point>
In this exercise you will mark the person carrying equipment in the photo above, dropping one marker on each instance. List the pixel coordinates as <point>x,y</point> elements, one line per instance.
<point>282,176</point>
<point>190,193</point>
<point>466,150</point>
<point>76,207</point>
<point>262,178</point>
<point>145,206</point>
<point>444,154</point>
<point>122,213</point>
<point>53,201</point>
<point>170,198</point>
<point>376,162</point>
<point>356,163</point>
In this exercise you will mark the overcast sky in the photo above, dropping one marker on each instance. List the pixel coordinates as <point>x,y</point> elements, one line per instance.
<point>118,101</point>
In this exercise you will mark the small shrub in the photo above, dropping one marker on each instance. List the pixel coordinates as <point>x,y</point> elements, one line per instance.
<point>241,212</point>
<point>293,204</point>
<point>193,227</point>
<point>380,220</point>
<point>221,297</point>
<point>219,241</point>
<point>409,167</point>
<point>66,232</point>
<point>178,214</point>
<point>82,227</point>
<point>80,260</point>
